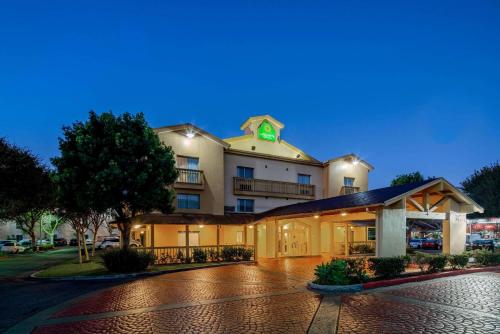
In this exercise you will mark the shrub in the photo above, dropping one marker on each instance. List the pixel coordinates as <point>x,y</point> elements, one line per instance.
<point>213,255</point>
<point>332,273</point>
<point>387,267</point>
<point>247,254</point>
<point>199,255</point>
<point>437,263</point>
<point>228,254</point>
<point>127,260</point>
<point>486,258</point>
<point>180,256</point>
<point>421,260</point>
<point>355,270</point>
<point>362,249</point>
<point>459,261</point>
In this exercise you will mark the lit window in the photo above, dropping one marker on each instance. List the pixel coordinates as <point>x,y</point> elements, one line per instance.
<point>188,201</point>
<point>239,237</point>
<point>245,205</point>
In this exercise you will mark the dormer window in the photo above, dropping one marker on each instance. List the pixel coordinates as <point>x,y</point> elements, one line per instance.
<point>348,182</point>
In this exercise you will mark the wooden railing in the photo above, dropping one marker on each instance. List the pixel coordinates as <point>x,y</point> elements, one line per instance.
<point>193,176</point>
<point>177,254</point>
<point>257,187</point>
<point>345,190</point>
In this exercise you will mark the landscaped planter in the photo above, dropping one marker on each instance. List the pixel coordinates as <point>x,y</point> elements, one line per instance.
<point>335,288</point>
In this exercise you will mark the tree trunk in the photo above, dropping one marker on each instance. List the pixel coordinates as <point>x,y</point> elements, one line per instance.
<point>125,231</point>
<point>93,241</point>
<point>86,251</point>
<point>79,247</point>
<point>33,239</point>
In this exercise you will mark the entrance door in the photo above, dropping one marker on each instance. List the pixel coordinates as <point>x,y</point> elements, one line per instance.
<point>294,239</point>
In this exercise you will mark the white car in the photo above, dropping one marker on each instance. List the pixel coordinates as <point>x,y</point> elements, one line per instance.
<point>114,242</point>
<point>12,247</point>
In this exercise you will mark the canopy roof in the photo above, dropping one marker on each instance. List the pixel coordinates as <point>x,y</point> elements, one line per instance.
<point>375,197</point>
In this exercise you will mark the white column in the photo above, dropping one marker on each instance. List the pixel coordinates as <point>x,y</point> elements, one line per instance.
<point>271,236</point>
<point>390,228</point>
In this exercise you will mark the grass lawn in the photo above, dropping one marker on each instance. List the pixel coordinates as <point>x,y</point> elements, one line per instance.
<point>96,268</point>
<point>14,265</point>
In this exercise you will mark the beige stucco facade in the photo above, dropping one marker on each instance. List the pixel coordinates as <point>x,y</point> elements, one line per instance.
<point>259,171</point>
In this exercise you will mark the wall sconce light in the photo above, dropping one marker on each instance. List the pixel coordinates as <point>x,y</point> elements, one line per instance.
<point>316,216</point>
<point>343,214</point>
<point>200,226</point>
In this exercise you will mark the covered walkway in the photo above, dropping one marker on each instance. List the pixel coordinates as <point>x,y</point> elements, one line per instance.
<point>364,223</point>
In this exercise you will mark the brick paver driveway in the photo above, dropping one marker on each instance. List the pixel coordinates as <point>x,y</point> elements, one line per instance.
<point>271,298</point>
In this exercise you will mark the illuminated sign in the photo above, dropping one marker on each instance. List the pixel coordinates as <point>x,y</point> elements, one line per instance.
<point>266,131</point>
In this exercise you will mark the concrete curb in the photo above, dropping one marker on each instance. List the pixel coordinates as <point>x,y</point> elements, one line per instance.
<point>119,277</point>
<point>335,288</point>
<point>326,318</point>
<point>425,277</point>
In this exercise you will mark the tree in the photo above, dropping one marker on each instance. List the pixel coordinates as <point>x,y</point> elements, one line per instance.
<point>50,222</point>
<point>116,163</point>
<point>483,186</point>
<point>407,179</point>
<point>26,188</point>
<point>80,224</point>
<point>96,220</point>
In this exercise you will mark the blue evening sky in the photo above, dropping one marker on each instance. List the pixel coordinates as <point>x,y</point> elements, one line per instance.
<point>407,86</point>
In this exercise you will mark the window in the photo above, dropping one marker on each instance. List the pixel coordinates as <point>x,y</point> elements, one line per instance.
<point>371,233</point>
<point>348,182</point>
<point>239,237</point>
<point>304,179</point>
<point>188,201</point>
<point>188,162</point>
<point>244,172</point>
<point>245,205</point>
<point>194,238</point>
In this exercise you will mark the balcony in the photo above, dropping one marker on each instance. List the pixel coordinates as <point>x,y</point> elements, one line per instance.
<point>346,190</point>
<point>256,187</point>
<point>190,179</point>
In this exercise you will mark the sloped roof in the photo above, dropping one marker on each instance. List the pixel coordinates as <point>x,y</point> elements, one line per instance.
<point>196,218</point>
<point>381,196</point>
<point>188,127</point>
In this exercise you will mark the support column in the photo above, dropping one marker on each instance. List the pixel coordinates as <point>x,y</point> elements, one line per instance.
<point>390,227</point>
<point>255,242</point>
<point>245,238</point>
<point>454,229</point>
<point>276,238</point>
<point>187,241</point>
<point>331,249</point>
<point>346,240</point>
<point>152,237</point>
<point>218,240</point>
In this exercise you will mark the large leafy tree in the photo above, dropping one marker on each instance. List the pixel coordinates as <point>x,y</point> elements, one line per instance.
<point>116,163</point>
<point>407,178</point>
<point>483,186</point>
<point>26,188</point>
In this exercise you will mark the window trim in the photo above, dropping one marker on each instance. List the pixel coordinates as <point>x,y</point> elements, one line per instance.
<point>302,174</point>
<point>349,178</point>
<point>245,199</point>
<point>187,157</point>
<point>245,168</point>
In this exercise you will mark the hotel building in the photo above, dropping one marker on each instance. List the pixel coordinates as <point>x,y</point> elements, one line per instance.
<point>259,191</point>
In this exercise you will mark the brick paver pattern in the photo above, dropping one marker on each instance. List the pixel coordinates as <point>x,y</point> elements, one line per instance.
<point>270,298</point>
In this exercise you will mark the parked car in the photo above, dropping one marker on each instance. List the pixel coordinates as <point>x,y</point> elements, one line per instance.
<point>497,243</point>
<point>74,242</point>
<point>3,241</point>
<point>114,242</point>
<point>42,242</point>
<point>12,247</point>
<point>488,244</point>
<point>60,242</point>
<point>432,244</point>
<point>25,242</point>
<point>415,243</point>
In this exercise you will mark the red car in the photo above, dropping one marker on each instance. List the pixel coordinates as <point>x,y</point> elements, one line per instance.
<point>432,244</point>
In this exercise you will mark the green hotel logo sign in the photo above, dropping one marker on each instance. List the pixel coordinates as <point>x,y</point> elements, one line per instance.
<point>266,131</point>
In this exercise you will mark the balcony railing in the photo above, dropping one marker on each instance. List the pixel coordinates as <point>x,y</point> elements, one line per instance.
<point>270,188</point>
<point>189,178</point>
<point>346,190</point>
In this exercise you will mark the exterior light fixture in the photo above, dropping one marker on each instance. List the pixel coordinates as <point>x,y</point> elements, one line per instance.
<point>343,214</point>
<point>137,226</point>
<point>250,226</point>
<point>316,216</point>
<point>190,134</point>
<point>355,161</point>
<point>200,226</point>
